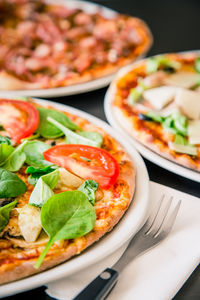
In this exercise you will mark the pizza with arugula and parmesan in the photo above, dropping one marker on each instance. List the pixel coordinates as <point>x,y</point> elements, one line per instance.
<point>64,183</point>
<point>45,44</point>
<point>158,103</point>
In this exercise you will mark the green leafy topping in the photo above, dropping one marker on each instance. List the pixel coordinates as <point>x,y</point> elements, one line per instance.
<point>136,93</point>
<point>10,184</point>
<point>89,188</point>
<point>49,130</point>
<point>32,137</point>
<point>154,63</point>
<point>5,140</point>
<point>34,154</point>
<point>43,189</point>
<point>174,123</point>
<point>66,215</point>
<point>16,158</point>
<point>5,214</point>
<point>5,151</point>
<point>197,64</point>
<point>155,116</point>
<point>91,138</point>
<point>36,173</point>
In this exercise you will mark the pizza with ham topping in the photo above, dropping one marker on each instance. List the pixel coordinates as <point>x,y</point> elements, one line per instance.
<point>47,45</point>
<point>158,103</point>
<point>64,183</point>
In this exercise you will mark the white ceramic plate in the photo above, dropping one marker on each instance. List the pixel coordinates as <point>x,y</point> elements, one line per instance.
<point>147,153</point>
<point>77,88</point>
<point>127,227</point>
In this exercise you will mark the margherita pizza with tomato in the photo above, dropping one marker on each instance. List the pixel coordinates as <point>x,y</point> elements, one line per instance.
<point>158,103</point>
<point>46,45</point>
<point>64,183</point>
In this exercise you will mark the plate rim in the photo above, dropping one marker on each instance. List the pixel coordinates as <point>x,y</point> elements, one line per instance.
<point>144,151</point>
<point>83,87</point>
<point>138,208</point>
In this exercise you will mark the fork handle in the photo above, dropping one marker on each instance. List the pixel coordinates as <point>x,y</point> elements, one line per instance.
<point>100,287</point>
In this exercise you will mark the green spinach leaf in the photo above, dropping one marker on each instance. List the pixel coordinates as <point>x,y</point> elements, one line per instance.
<point>16,159</point>
<point>43,189</point>
<point>36,173</point>
<point>89,188</point>
<point>5,151</point>
<point>34,154</point>
<point>91,138</point>
<point>5,214</point>
<point>47,129</point>
<point>5,140</point>
<point>10,184</point>
<point>67,215</point>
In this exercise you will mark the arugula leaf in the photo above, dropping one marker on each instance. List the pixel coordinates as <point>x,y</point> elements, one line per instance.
<point>90,138</point>
<point>154,63</point>
<point>16,159</point>
<point>43,189</point>
<point>5,140</point>
<point>10,184</point>
<point>89,188</point>
<point>5,151</point>
<point>36,173</point>
<point>66,215</point>
<point>5,214</point>
<point>34,154</point>
<point>47,129</point>
<point>197,64</point>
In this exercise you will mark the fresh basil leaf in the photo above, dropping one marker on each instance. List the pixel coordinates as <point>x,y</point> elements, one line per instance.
<point>10,184</point>
<point>76,138</point>
<point>5,140</point>
<point>66,215</point>
<point>16,159</point>
<point>93,136</point>
<point>89,188</point>
<point>47,129</point>
<point>161,61</point>
<point>5,214</point>
<point>43,189</point>
<point>5,151</point>
<point>31,137</point>
<point>41,193</point>
<point>34,154</point>
<point>197,64</point>
<point>36,173</point>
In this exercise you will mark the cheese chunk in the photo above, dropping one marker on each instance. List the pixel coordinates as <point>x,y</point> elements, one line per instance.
<point>29,222</point>
<point>68,179</point>
<point>161,96</point>
<point>183,79</point>
<point>188,103</point>
<point>194,132</point>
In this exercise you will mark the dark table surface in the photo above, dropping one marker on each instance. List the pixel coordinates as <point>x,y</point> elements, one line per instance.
<point>175,25</point>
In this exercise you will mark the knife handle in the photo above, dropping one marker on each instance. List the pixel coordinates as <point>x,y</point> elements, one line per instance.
<point>100,287</point>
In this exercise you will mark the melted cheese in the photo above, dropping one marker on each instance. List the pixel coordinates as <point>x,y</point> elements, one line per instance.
<point>188,103</point>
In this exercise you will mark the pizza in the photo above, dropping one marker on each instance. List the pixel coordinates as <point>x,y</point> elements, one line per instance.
<point>44,44</point>
<point>64,183</point>
<point>157,101</point>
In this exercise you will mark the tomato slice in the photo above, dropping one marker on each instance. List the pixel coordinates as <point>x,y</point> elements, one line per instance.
<point>86,162</point>
<point>19,118</point>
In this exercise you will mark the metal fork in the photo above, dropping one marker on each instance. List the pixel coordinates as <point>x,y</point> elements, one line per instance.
<point>156,228</point>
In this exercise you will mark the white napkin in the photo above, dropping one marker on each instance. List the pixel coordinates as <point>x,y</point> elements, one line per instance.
<point>159,273</point>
